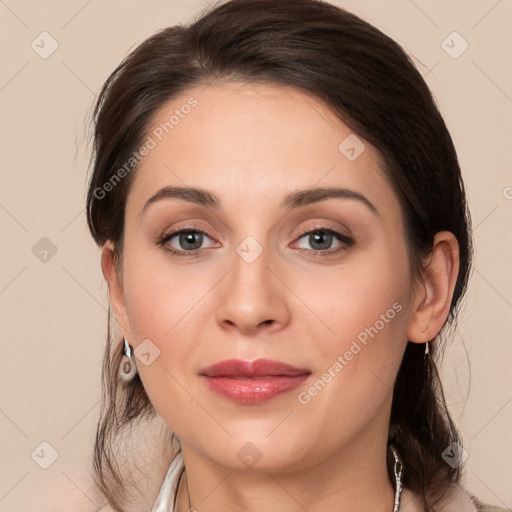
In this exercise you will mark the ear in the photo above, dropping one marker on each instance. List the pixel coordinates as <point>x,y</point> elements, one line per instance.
<point>433,296</point>
<point>115,288</point>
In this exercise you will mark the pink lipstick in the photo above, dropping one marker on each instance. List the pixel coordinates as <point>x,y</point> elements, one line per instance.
<point>253,381</point>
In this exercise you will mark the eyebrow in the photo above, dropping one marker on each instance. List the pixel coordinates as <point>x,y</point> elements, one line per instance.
<point>296,199</point>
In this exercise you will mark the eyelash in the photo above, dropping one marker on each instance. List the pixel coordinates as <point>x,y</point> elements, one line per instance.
<point>346,241</point>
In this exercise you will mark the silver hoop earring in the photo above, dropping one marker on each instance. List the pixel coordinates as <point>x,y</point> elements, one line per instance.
<point>127,367</point>
<point>427,346</point>
<point>398,470</point>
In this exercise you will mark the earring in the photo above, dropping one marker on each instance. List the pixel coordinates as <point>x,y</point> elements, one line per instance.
<point>398,470</point>
<point>427,350</point>
<point>127,368</point>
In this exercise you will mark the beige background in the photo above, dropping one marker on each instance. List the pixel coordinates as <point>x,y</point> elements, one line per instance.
<point>54,311</point>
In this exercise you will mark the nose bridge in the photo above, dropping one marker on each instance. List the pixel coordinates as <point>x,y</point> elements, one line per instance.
<point>251,263</point>
<point>252,294</point>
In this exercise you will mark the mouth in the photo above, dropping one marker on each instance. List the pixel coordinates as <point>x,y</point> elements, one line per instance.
<point>253,381</point>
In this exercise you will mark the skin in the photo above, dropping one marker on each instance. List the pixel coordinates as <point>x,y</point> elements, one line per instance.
<point>250,145</point>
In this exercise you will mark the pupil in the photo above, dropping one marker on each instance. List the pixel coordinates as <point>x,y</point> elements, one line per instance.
<point>188,238</point>
<point>318,236</point>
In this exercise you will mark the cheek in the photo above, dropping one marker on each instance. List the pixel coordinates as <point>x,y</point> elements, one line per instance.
<point>359,298</point>
<point>161,300</point>
<point>163,306</point>
<point>366,310</point>
<point>357,360</point>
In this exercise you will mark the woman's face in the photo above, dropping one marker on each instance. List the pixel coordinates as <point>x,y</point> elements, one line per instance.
<point>259,283</point>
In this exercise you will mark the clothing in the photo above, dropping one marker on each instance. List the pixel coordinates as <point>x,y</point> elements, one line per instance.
<point>164,502</point>
<point>456,500</point>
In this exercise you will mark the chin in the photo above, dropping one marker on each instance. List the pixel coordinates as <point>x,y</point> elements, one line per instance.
<point>259,453</point>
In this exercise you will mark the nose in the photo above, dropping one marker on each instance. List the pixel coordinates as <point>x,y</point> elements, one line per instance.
<point>253,297</point>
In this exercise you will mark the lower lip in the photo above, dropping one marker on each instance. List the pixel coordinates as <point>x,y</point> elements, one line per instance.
<point>255,390</point>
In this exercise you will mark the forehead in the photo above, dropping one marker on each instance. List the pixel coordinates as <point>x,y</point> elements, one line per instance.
<point>255,141</point>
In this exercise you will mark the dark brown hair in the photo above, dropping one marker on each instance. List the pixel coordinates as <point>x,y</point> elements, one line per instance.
<point>370,83</point>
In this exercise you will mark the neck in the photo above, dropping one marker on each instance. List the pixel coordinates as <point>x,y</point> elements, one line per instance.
<point>354,477</point>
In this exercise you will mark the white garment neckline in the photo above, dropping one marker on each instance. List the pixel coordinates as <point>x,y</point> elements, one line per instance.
<point>164,502</point>
<point>458,499</point>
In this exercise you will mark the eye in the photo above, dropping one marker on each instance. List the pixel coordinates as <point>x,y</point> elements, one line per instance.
<point>321,239</point>
<point>187,241</point>
<point>190,241</point>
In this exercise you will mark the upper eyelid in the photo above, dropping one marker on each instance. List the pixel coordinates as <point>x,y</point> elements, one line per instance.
<point>319,226</point>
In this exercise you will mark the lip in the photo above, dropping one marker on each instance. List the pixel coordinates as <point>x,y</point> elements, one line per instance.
<point>253,381</point>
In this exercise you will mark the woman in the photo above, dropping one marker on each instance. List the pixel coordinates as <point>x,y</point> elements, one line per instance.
<point>290,349</point>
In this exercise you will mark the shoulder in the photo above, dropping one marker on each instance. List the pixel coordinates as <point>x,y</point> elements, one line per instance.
<point>482,507</point>
<point>459,499</point>
<point>456,499</point>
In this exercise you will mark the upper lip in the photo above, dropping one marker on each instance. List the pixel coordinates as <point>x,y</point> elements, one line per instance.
<point>257,368</point>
